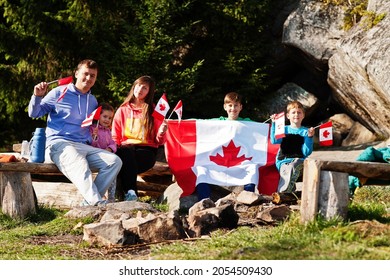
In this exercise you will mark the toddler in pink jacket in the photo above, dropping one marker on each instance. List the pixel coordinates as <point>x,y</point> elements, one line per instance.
<point>101,138</point>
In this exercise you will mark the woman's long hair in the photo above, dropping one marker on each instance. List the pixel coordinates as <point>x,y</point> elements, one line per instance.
<point>148,108</point>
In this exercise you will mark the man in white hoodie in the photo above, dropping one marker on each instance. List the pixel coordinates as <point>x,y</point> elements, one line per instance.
<point>67,143</point>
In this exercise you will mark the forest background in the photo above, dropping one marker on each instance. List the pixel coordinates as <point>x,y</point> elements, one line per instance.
<point>197,50</point>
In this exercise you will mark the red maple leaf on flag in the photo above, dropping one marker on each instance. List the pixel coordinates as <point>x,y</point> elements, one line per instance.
<point>229,157</point>
<point>162,107</point>
<point>326,133</point>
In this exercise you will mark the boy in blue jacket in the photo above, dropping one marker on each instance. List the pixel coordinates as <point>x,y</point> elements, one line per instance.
<point>294,147</point>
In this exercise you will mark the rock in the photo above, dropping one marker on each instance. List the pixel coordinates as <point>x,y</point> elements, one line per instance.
<point>342,123</point>
<point>106,233</point>
<point>358,72</point>
<point>84,212</point>
<point>274,213</point>
<point>201,205</point>
<point>284,95</point>
<point>314,29</point>
<point>358,135</point>
<point>134,222</point>
<point>250,198</point>
<point>209,219</point>
<point>348,66</point>
<point>161,228</point>
<point>171,196</point>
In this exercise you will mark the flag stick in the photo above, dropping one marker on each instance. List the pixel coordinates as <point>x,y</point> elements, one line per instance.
<point>317,126</point>
<point>267,120</point>
<point>52,82</point>
<point>171,114</point>
<point>95,137</point>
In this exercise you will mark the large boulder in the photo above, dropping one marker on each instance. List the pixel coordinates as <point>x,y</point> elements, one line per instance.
<point>354,61</point>
<point>358,72</point>
<point>314,29</point>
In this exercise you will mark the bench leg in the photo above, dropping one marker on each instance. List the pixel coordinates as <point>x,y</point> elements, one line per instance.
<point>333,196</point>
<point>310,188</point>
<point>17,198</point>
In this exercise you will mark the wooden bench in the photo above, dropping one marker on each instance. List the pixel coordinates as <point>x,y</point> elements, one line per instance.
<point>325,189</point>
<point>23,185</point>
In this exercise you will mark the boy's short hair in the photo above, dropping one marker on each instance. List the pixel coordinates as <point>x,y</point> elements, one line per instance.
<point>232,97</point>
<point>295,105</point>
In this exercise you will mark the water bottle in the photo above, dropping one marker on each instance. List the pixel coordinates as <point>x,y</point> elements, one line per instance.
<point>37,146</point>
<point>25,152</point>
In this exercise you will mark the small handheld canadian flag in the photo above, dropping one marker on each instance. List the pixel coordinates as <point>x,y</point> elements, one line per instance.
<point>326,134</point>
<point>178,110</point>
<point>95,115</point>
<point>162,108</point>
<point>280,124</point>
<point>63,81</point>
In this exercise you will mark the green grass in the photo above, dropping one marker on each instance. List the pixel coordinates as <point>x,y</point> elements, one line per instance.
<point>320,240</point>
<point>49,235</point>
<point>364,236</point>
<point>17,236</point>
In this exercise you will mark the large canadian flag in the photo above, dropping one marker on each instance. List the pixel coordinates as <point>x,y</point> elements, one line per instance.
<point>224,153</point>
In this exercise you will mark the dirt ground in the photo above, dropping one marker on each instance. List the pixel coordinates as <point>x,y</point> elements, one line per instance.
<point>133,252</point>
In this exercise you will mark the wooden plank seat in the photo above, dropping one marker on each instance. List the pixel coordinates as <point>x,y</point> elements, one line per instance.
<point>325,188</point>
<point>24,185</point>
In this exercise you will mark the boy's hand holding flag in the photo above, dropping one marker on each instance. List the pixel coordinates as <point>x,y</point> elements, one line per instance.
<point>162,108</point>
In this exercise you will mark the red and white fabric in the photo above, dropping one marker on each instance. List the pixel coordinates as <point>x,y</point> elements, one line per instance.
<point>326,134</point>
<point>162,108</point>
<point>224,153</point>
<point>179,109</point>
<point>280,124</point>
<point>95,115</point>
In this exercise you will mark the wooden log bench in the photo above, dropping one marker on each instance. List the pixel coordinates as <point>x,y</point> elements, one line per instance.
<point>24,185</point>
<point>325,189</point>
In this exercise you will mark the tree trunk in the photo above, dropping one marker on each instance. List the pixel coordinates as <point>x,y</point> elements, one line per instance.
<point>17,197</point>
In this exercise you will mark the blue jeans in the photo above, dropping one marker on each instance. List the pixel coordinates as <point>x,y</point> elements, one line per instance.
<point>203,190</point>
<point>77,160</point>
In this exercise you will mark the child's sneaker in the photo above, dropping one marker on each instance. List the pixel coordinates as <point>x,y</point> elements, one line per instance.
<point>101,203</point>
<point>84,203</point>
<point>131,195</point>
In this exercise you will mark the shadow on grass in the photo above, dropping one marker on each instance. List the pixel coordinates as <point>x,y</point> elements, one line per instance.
<point>43,215</point>
<point>368,212</point>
